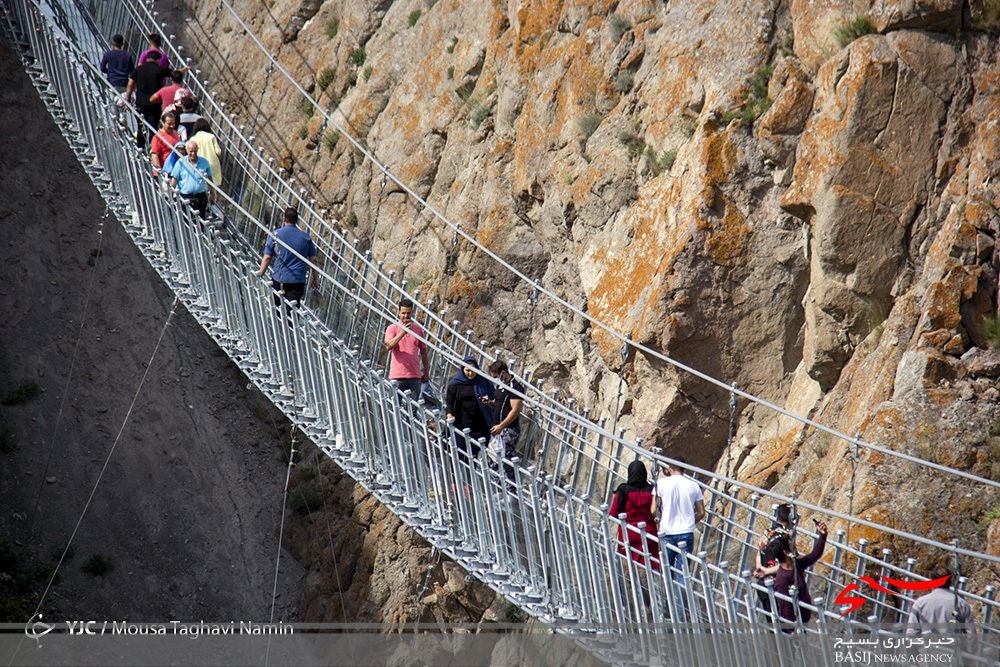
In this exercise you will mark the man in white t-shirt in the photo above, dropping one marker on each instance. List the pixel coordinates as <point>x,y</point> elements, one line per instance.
<point>681,508</point>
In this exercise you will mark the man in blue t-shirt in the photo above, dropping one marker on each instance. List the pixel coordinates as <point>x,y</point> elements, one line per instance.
<point>290,269</point>
<point>117,64</point>
<point>188,176</point>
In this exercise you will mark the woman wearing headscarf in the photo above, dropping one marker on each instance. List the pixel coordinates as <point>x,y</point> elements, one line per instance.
<point>635,499</point>
<point>464,402</point>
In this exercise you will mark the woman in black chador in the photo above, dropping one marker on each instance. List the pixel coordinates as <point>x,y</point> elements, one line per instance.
<point>464,402</point>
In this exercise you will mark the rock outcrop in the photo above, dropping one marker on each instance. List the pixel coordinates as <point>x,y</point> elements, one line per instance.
<point>364,564</point>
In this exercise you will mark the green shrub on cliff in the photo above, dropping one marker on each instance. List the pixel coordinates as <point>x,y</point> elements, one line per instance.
<point>332,28</point>
<point>991,327</point>
<point>589,123</point>
<point>756,101</point>
<point>850,31</point>
<point>326,77</point>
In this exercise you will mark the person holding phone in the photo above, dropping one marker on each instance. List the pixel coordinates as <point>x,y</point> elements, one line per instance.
<point>791,571</point>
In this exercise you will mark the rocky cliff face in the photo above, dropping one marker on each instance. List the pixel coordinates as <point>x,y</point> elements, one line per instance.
<point>795,196</point>
<point>366,565</point>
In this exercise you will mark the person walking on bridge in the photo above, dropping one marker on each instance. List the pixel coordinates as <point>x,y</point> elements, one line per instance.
<point>466,401</point>
<point>682,507</point>
<point>163,143</point>
<point>291,269</point>
<point>407,353</point>
<point>144,81</point>
<point>940,610</point>
<point>117,64</point>
<point>188,176</point>
<point>636,500</point>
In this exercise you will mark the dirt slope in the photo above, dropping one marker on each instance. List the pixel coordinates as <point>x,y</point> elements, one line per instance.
<point>189,507</point>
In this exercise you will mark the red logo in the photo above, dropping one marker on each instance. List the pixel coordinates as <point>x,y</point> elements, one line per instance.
<point>856,602</point>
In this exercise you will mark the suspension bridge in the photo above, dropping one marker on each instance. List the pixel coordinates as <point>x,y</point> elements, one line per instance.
<point>546,542</point>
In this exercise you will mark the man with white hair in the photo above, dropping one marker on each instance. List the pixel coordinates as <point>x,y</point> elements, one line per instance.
<point>188,176</point>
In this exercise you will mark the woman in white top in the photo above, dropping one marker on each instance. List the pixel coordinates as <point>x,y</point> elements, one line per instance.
<point>208,148</point>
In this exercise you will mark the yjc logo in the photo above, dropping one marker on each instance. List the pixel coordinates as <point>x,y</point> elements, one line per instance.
<point>37,629</point>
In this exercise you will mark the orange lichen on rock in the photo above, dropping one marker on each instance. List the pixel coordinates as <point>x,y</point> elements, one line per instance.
<point>490,232</point>
<point>728,240</point>
<point>461,289</point>
<point>630,276</point>
<point>775,455</point>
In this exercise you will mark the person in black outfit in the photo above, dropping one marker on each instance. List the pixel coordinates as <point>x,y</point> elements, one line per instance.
<point>465,402</point>
<point>145,81</point>
<point>506,413</point>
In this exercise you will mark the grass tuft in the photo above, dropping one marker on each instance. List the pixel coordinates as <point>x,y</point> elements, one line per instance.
<point>688,125</point>
<point>326,77</point>
<point>332,27</point>
<point>624,82</point>
<point>667,159</point>
<point>991,327</point>
<point>413,17</point>
<point>331,139</point>
<point>634,146</point>
<point>24,393</point>
<point>756,101</point>
<point>358,56</point>
<point>98,565</point>
<point>306,108</point>
<point>589,123</point>
<point>481,113</point>
<point>618,25</point>
<point>850,31</point>
<point>990,516</point>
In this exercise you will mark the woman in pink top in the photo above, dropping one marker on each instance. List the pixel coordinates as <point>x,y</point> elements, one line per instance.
<point>636,500</point>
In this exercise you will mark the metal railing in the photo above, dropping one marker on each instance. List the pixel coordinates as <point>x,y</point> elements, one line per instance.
<point>544,538</point>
